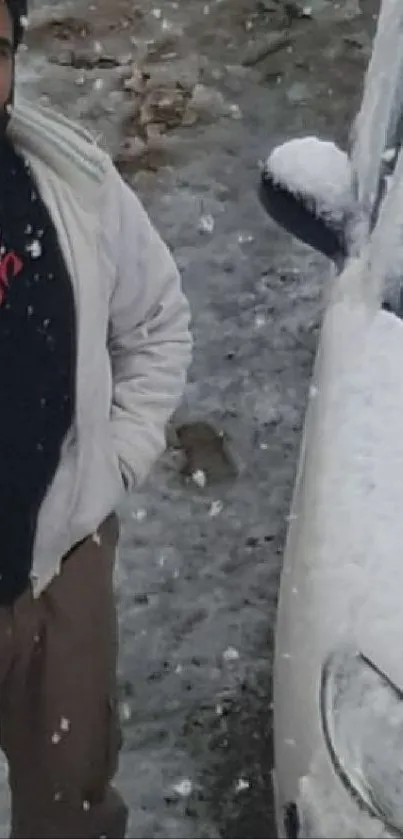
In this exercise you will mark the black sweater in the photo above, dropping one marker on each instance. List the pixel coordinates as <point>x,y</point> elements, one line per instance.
<point>37,364</point>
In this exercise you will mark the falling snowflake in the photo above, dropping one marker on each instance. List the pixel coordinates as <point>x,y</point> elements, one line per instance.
<point>34,249</point>
<point>157,13</point>
<point>199,478</point>
<point>245,238</point>
<point>235,111</point>
<point>125,711</point>
<point>57,796</point>
<point>23,21</point>
<point>56,738</point>
<point>231,654</point>
<point>216,508</point>
<point>86,806</point>
<point>260,321</point>
<point>139,515</point>
<point>99,84</point>
<point>64,724</point>
<point>183,788</point>
<point>241,785</point>
<point>96,538</point>
<point>206,224</point>
<point>389,155</point>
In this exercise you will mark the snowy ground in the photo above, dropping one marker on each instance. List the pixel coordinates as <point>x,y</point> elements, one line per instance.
<point>200,564</point>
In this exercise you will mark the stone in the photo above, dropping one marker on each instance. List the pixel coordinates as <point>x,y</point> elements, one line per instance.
<point>206,450</point>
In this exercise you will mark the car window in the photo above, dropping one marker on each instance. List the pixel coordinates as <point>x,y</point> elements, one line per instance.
<point>378,125</point>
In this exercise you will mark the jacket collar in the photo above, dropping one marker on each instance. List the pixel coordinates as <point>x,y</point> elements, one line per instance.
<point>68,150</point>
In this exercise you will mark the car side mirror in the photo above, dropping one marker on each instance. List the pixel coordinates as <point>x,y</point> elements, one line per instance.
<point>306,188</point>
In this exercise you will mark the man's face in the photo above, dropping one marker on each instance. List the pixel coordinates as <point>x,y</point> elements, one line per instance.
<point>6,54</point>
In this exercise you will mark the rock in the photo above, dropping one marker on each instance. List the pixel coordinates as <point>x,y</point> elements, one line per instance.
<point>164,106</point>
<point>171,435</point>
<point>61,28</point>
<point>182,73</point>
<point>154,130</point>
<point>85,60</point>
<point>137,81</point>
<point>131,149</point>
<point>206,450</point>
<point>206,104</point>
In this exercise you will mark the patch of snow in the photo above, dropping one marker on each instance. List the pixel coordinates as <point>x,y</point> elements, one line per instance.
<point>315,170</point>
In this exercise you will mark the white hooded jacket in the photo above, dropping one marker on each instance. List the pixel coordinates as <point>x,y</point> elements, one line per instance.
<point>133,337</point>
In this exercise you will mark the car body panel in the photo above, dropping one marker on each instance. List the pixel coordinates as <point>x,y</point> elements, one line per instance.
<point>342,578</point>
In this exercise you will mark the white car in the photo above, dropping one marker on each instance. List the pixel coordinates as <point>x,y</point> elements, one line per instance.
<point>338,676</point>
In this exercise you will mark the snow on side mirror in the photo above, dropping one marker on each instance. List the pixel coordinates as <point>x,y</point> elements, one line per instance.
<point>306,187</point>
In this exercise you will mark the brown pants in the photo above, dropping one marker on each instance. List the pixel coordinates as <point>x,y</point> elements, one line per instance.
<point>59,724</point>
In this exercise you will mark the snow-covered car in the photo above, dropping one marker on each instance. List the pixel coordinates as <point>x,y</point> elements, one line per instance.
<point>338,675</point>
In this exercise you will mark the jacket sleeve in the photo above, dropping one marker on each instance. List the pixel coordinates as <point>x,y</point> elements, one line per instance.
<point>149,340</point>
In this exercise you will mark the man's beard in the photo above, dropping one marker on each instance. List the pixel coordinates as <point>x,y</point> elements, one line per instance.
<point>6,110</point>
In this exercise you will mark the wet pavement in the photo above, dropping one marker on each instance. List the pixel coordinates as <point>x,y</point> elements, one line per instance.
<point>189,97</point>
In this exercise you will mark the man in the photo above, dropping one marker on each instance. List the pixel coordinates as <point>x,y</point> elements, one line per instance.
<point>94,345</point>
